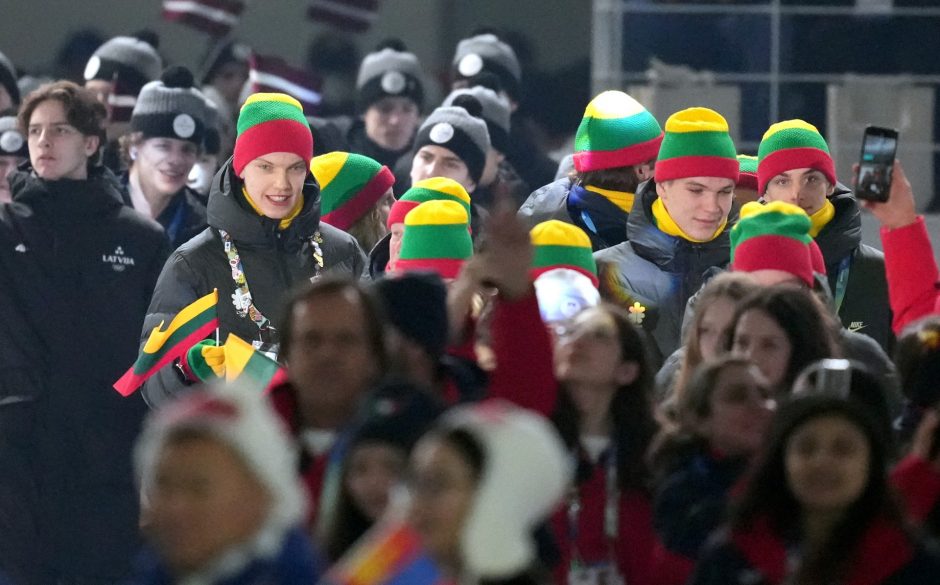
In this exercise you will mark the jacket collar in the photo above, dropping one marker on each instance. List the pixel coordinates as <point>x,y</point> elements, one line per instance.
<point>101,191</point>
<point>227,211</point>
<point>671,253</point>
<point>843,234</point>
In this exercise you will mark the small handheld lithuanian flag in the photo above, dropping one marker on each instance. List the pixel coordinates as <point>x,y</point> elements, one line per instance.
<point>190,326</point>
<point>389,554</point>
<point>243,361</point>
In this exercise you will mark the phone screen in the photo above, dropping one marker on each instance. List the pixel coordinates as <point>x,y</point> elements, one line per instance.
<point>876,164</point>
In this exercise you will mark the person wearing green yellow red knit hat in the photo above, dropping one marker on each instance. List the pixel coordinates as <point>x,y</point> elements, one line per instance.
<point>265,237</point>
<point>355,194</point>
<point>795,166</point>
<point>746,188</point>
<point>562,245</point>
<point>384,254</point>
<point>677,233</point>
<point>773,237</point>
<point>615,147</point>
<point>696,172</point>
<point>436,238</point>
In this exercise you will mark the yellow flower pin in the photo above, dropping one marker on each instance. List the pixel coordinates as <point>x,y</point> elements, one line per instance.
<point>637,312</point>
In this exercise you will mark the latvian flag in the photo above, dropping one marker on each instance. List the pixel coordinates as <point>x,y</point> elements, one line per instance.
<point>216,17</point>
<point>350,15</point>
<point>272,74</point>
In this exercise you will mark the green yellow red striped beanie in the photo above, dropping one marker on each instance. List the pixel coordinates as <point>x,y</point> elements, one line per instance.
<point>747,165</point>
<point>697,144</point>
<point>433,189</point>
<point>271,122</point>
<point>562,245</point>
<point>350,185</point>
<point>436,238</point>
<point>792,144</point>
<point>616,131</point>
<point>774,236</point>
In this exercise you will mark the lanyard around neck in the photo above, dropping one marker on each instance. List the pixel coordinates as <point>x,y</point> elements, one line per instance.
<point>241,298</point>
<point>611,509</point>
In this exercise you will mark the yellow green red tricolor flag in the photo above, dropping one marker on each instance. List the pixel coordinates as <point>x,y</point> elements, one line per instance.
<point>190,326</point>
<point>242,360</point>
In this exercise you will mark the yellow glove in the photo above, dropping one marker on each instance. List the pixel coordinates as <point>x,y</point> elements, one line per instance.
<point>205,361</point>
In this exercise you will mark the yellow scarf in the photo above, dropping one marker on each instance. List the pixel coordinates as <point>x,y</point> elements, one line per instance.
<point>285,222</point>
<point>821,218</point>
<point>669,226</point>
<point>622,199</point>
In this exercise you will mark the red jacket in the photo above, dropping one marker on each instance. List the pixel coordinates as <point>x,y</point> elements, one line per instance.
<point>918,484</point>
<point>911,272</point>
<point>883,556</point>
<point>633,547</point>
<point>524,373</point>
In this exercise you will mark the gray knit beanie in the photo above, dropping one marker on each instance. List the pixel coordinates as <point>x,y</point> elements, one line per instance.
<point>390,71</point>
<point>486,52</point>
<point>12,141</point>
<point>496,113</point>
<point>459,128</point>
<point>8,79</point>
<point>171,108</point>
<point>129,63</point>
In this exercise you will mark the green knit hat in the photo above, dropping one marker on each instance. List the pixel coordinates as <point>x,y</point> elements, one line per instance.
<point>697,144</point>
<point>436,238</point>
<point>271,122</point>
<point>748,168</point>
<point>350,185</point>
<point>774,236</point>
<point>792,144</point>
<point>562,245</point>
<point>616,131</point>
<point>433,189</point>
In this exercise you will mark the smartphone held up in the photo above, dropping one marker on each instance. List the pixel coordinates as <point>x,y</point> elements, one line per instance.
<point>879,147</point>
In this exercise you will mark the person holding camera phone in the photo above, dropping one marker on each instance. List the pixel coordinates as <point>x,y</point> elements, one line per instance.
<point>912,275</point>
<point>795,166</point>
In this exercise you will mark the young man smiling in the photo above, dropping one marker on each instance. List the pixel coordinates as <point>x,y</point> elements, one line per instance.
<point>677,230</point>
<point>794,166</point>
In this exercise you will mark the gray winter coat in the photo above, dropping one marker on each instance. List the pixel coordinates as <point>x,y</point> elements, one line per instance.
<point>658,271</point>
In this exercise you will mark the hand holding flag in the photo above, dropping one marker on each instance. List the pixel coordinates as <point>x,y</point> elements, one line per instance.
<point>244,361</point>
<point>190,326</point>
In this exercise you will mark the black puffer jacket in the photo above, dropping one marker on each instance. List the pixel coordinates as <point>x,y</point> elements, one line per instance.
<point>865,307</point>
<point>274,262</point>
<point>79,268</point>
<point>658,271</point>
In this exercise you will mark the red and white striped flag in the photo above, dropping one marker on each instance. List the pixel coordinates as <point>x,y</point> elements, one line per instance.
<point>216,17</point>
<point>273,74</point>
<point>350,15</point>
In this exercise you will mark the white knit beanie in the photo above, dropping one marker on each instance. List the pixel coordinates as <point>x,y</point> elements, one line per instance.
<point>242,419</point>
<point>526,471</point>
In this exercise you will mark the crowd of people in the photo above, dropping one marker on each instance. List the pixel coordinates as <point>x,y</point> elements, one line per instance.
<point>660,361</point>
